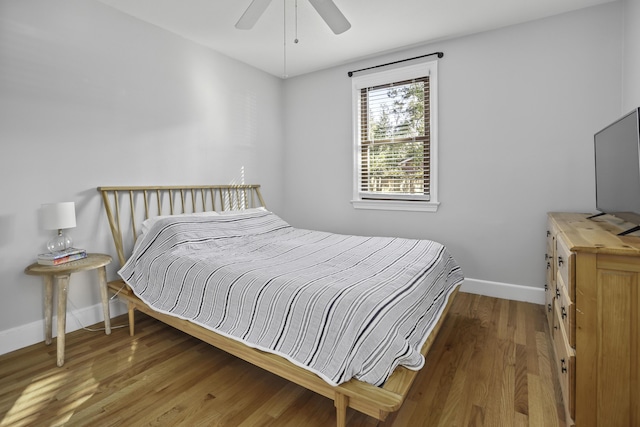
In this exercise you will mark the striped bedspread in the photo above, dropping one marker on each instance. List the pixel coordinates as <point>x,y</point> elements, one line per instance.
<point>340,306</point>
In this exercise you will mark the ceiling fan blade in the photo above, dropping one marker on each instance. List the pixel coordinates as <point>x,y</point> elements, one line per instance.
<point>328,10</point>
<point>252,14</point>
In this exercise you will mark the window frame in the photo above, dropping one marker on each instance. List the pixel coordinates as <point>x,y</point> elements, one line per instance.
<point>400,74</point>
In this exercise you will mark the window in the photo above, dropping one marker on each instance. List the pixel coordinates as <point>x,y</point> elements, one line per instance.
<point>395,139</point>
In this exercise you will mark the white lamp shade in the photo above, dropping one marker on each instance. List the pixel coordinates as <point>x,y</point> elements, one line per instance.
<point>56,216</point>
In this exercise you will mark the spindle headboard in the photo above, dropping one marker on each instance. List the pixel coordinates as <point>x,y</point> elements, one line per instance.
<point>134,204</point>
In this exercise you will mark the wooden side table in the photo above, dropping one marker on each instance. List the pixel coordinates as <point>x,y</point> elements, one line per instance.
<point>60,275</point>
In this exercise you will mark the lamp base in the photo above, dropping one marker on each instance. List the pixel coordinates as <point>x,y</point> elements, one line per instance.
<point>59,243</point>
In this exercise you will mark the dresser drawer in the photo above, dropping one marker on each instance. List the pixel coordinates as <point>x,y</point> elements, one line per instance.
<point>549,308</point>
<point>549,299</point>
<point>550,276</point>
<point>550,254</point>
<point>565,263</point>
<point>566,311</point>
<point>566,364</point>
<point>549,291</point>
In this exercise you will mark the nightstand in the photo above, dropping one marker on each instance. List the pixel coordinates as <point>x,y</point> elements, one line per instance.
<point>60,274</point>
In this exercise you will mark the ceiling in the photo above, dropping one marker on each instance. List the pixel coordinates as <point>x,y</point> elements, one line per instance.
<point>378,26</point>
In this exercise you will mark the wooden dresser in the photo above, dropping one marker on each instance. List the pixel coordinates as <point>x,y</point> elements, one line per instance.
<point>592,304</point>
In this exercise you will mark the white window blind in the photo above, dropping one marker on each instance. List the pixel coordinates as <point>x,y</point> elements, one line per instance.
<point>394,135</point>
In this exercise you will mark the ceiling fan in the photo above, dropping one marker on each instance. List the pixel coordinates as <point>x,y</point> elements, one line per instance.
<point>327,10</point>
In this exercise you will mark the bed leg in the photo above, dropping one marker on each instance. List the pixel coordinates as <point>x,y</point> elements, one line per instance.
<point>132,324</point>
<point>341,402</point>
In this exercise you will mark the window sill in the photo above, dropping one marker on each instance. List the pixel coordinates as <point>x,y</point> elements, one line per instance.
<point>396,205</point>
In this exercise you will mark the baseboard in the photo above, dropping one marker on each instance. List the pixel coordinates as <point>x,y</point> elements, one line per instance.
<point>33,333</point>
<point>504,290</point>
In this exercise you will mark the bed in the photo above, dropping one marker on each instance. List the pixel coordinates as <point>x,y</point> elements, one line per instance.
<point>213,262</point>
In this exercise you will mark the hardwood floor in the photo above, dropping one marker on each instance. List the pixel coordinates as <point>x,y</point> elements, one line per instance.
<point>489,366</point>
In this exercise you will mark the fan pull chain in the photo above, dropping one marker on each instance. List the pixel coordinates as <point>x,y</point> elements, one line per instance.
<point>296,39</point>
<point>284,31</point>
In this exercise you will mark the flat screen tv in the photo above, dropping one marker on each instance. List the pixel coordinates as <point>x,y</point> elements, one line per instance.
<point>617,155</point>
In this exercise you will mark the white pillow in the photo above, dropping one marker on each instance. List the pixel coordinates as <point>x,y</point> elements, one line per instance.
<point>148,223</point>
<point>244,211</point>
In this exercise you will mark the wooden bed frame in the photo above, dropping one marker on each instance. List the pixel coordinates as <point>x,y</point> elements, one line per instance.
<point>142,202</point>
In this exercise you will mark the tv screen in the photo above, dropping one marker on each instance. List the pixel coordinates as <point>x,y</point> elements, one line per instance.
<point>617,155</point>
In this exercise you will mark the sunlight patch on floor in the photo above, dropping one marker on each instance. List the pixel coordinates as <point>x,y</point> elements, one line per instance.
<point>41,392</point>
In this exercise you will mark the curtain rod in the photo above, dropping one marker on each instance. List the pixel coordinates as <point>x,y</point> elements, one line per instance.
<point>440,55</point>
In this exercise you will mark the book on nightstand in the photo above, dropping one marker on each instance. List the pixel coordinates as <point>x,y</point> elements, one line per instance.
<point>61,257</point>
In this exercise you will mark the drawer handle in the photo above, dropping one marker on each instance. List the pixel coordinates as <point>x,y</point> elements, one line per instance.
<point>548,233</point>
<point>549,308</point>
<point>564,313</point>
<point>560,261</point>
<point>563,366</point>
<point>548,265</point>
<point>546,287</point>
<point>557,292</point>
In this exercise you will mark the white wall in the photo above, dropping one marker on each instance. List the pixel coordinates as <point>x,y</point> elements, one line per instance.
<point>631,71</point>
<point>123,102</point>
<point>517,112</point>
<point>89,97</point>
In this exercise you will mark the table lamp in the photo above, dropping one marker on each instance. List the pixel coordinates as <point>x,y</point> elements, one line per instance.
<point>58,216</point>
